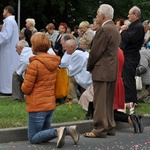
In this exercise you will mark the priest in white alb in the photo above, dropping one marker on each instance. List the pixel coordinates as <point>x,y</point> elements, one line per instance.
<point>9,36</point>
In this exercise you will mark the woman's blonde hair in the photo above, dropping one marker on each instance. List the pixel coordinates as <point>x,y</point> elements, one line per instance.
<point>50,26</point>
<point>85,41</point>
<point>31,21</point>
<point>40,42</point>
<point>84,24</point>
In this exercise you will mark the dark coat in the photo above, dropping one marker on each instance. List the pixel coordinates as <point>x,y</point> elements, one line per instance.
<point>103,58</point>
<point>58,46</point>
<point>28,34</point>
<point>132,39</point>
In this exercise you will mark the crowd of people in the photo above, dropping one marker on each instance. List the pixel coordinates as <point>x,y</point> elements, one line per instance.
<point>102,60</point>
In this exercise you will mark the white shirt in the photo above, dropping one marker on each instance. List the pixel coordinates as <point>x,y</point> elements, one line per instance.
<point>106,22</point>
<point>26,53</point>
<point>76,64</point>
<point>24,59</point>
<point>51,51</point>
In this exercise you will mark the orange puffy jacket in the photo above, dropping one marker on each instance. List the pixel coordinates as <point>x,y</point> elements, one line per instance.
<point>39,82</point>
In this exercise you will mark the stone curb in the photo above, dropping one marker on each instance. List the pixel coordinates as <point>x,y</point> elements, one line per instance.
<point>20,133</point>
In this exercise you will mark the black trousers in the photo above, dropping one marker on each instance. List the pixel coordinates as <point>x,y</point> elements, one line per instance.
<point>120,116</point>
<point>129,72</point>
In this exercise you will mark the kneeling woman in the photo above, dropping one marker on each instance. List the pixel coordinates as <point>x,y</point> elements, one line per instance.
<point>39,87</point>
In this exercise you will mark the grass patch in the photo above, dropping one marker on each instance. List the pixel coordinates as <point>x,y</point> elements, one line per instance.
<point>13,114</point>
<point>65,113</point>
<point>143,108</point>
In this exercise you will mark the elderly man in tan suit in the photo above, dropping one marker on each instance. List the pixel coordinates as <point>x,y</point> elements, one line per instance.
<point>102,63</point>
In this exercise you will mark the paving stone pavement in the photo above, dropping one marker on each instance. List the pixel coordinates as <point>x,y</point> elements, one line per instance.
<point>125,139</point>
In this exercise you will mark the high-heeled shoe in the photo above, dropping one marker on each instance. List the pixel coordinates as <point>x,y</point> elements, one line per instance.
<point>134,122</point>
<point>140,123</point>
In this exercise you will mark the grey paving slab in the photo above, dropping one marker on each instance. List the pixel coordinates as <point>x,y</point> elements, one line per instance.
<point>20,134</point>
<point>125,139</point>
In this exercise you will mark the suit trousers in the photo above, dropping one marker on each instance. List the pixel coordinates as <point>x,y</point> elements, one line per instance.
<point>129,71</point>
<point>17,81</point>
<point>103,108</point>
<point>73,89</point>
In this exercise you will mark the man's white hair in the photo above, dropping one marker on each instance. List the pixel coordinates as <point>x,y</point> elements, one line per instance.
<point>23,43</point>
<point>72,43</point>
<point>136,10</point>
<point>107,10</point>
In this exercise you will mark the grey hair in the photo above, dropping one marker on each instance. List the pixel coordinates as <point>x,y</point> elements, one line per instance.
<point>72,43</point>
<point>146,22</point>
<point>136,10</point>
<point>23,43</point>
<point>66,37</point>
<point>107,10</point>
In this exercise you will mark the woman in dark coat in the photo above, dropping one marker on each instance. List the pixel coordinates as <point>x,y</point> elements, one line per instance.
<point>119,100</point>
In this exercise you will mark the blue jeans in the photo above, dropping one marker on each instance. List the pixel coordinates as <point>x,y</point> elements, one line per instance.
<point>39,127</point>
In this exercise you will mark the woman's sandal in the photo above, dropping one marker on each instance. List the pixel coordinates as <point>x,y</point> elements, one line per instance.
<point>90,135</point>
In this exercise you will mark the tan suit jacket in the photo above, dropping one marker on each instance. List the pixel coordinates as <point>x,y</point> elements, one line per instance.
<point>103,59</point>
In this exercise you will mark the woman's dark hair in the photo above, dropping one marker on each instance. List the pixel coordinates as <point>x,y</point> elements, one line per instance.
<point>120,20</point>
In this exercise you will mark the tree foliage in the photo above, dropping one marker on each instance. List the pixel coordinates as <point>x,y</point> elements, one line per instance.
<point>70,11</point>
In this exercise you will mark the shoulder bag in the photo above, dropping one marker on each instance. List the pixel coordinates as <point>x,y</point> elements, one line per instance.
<point>62,83</point>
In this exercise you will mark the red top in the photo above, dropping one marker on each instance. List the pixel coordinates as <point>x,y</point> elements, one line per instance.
<point>119,96</point>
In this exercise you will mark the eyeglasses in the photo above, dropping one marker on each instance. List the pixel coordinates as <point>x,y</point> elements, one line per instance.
<point>131,14</point>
